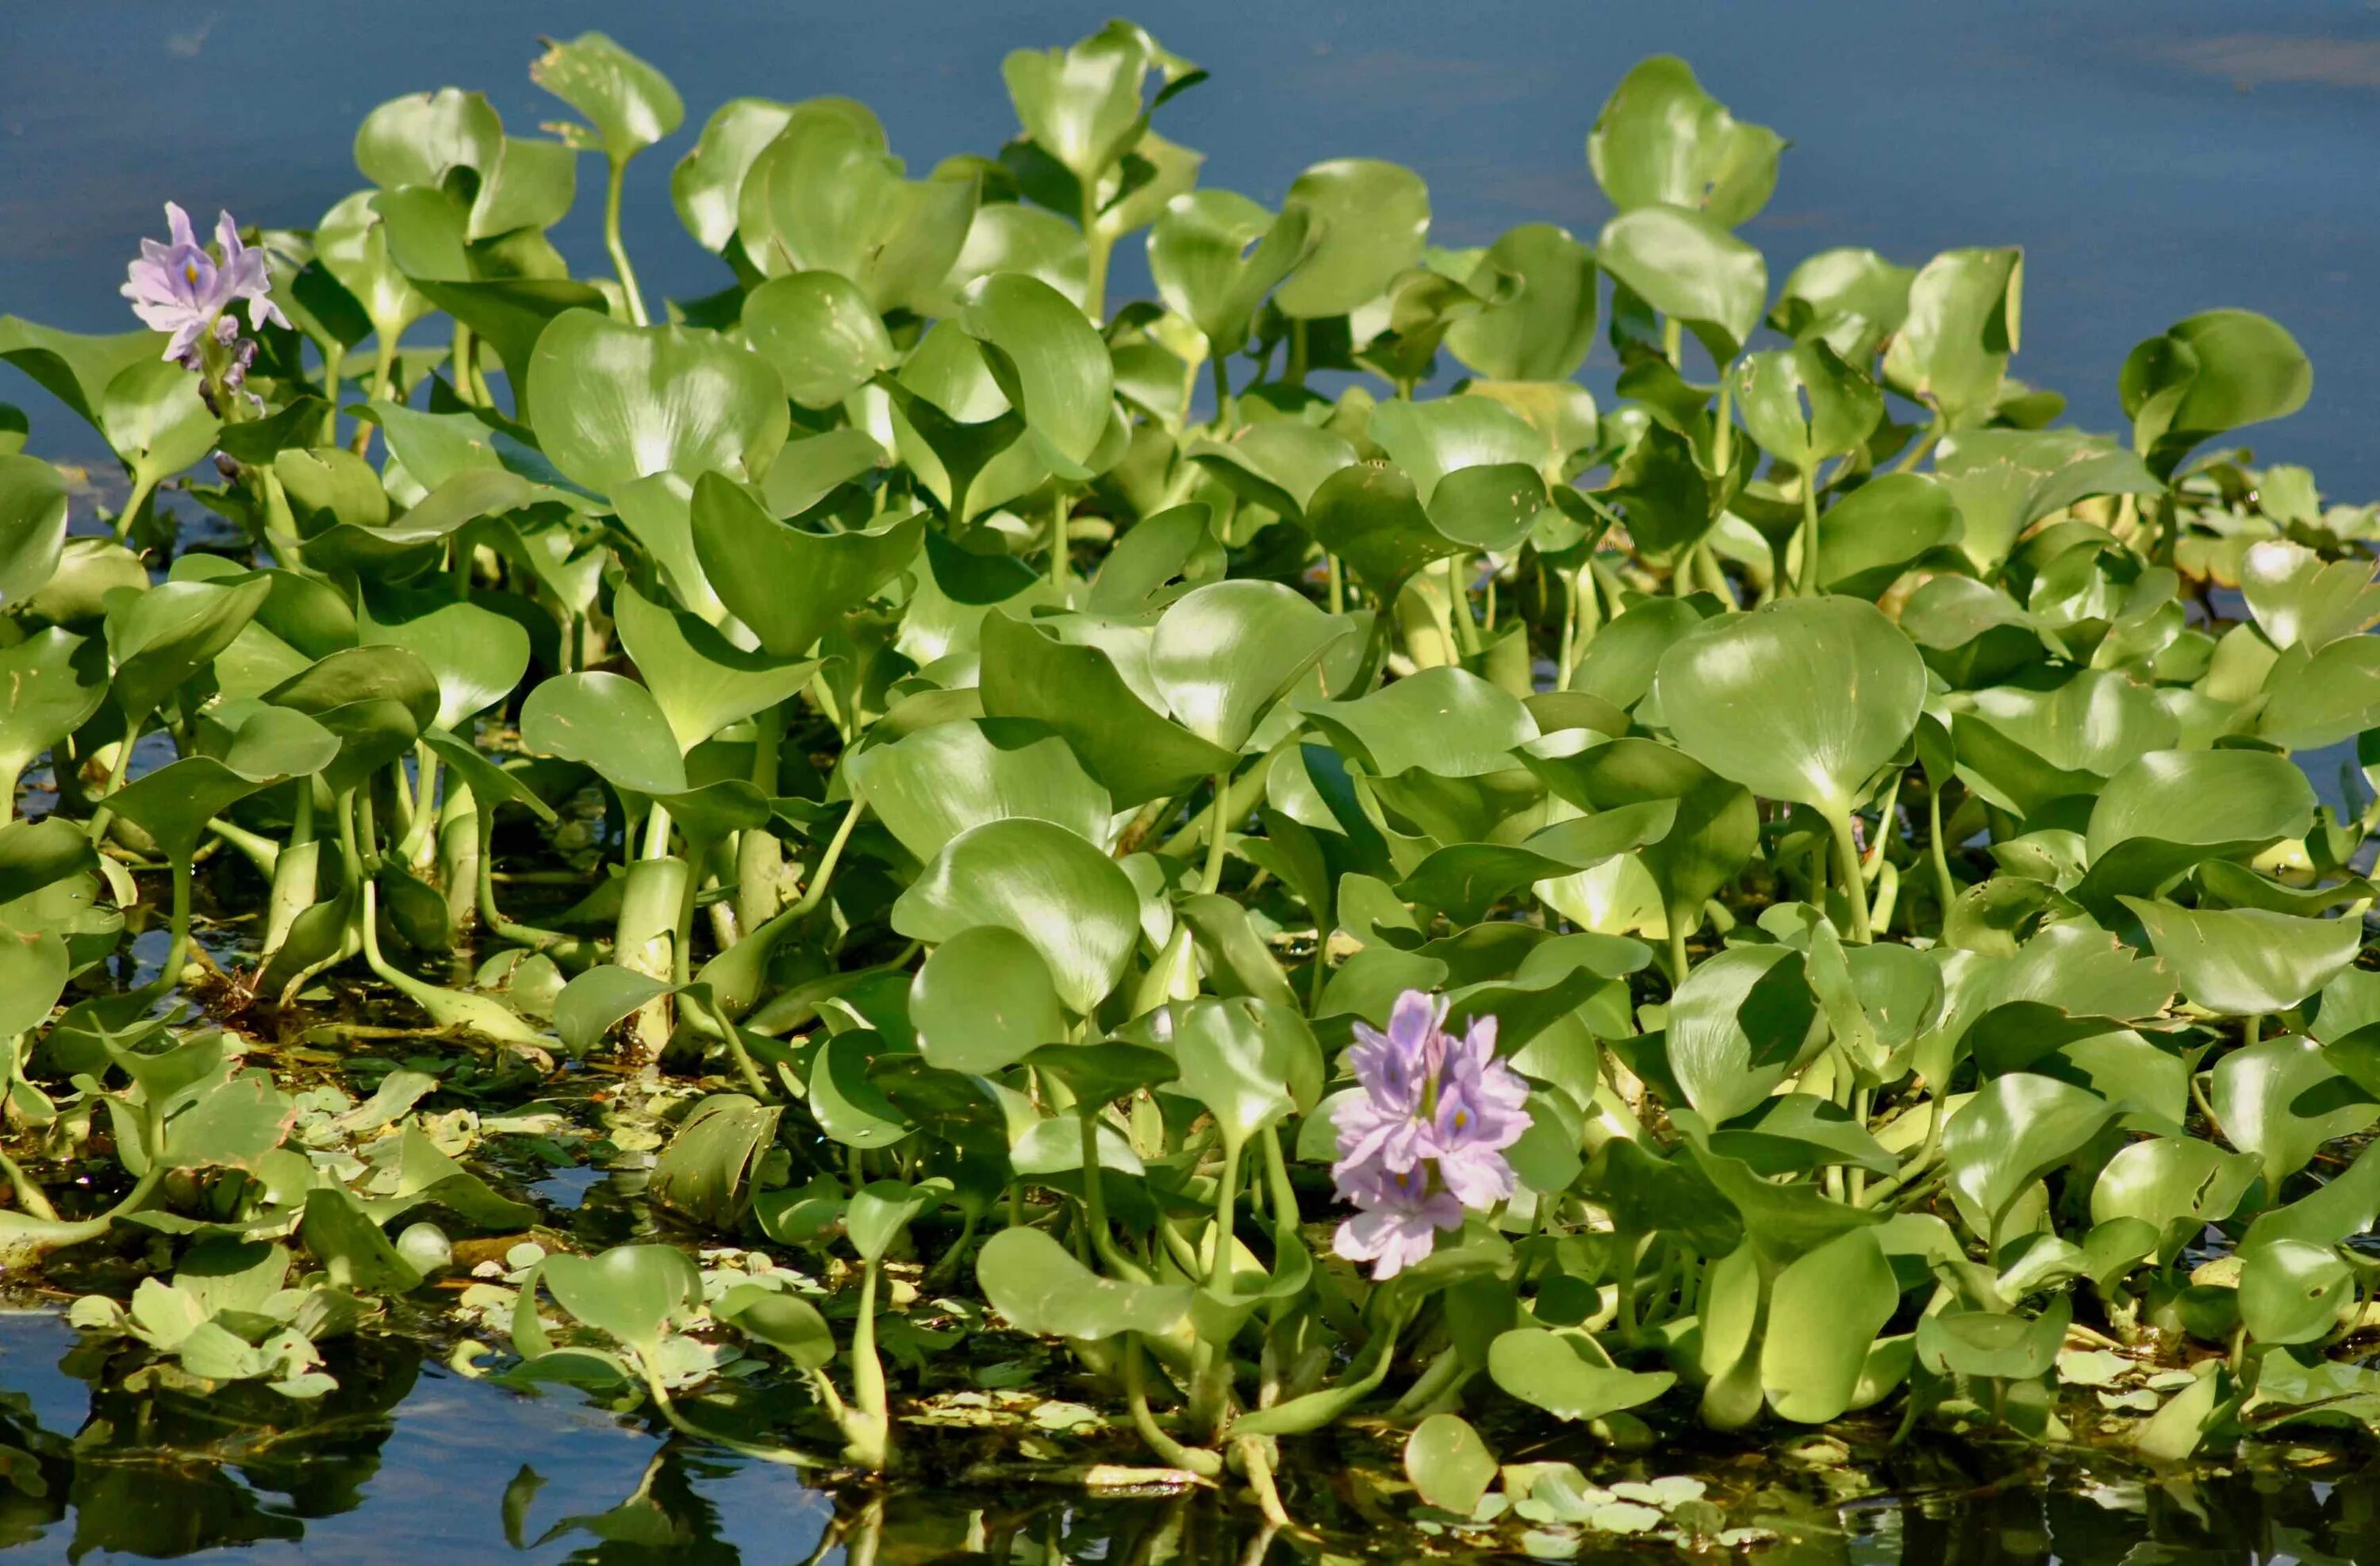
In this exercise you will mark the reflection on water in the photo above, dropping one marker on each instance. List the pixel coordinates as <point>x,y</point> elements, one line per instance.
<point>408,1461</point>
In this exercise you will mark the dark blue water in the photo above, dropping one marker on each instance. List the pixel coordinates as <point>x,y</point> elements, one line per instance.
<point>2155,157</point>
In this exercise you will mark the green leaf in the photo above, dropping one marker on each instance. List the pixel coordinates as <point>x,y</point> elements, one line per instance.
<point>351,242</point>
<point>32,524</point>
<point>1804,700</point>
<point>617,402</point>
<point>789,585</point>
<point>609,723</point>
<point>1368,515</point>
<point>1066,897</point>
<point>983,1002</point>
<point>1966,310</point>
<point>2017,1128</point>
<point>633,1292</point>
<point>478,655</point>
<point>1544,332</point>
<point>1249,1062</point>
<point>1444,720</point>
<point>1736,1026</point>
<point>701,681</point>
<point>1660,139</point>
<point>157,639</point>
<point>2243,961</point>
<point>50,685</point>
<point>1132,750</point>
<point>71,367</point>
<point>1050,363</point>
<point>2282,1101</point>
<point>1280,463</point>
<point>1224,653</point>
<point>591,1003</point>
<point>1472,462</point>
<point>630,104</point>
<point>2330,698</point>
<point>2171,810</point>
<point>821,332</point>
<point>706,1172</point>
<point>1688,266</point>
<point>351,1248</point>
<point>1081,105</point>
<point>788,1323</point>
<point>1824,1311</point>
<point>175,802</point>
<point>1035,1283</point>
<point>2176,1184</point>
<point>877,1214</point>
<point>1450,1467</point>
<point>2294,1292</point>
<point>2207,375</point>
<point>1568,1375</point>
<point>1804,404</point>
<point>1215,255</point>
<point>1372,216</point>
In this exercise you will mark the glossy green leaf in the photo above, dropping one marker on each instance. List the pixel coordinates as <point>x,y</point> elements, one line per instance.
<point>984,1001</point>
<point>1824,1311</point>
<point>821,331</point>
<point>619,402</point>
<point>2243,961</point>
<point>609,723</point>
<point>1450,1467</point>
<point>1372,217</point>
<point>2016,1129</point>
<point>1066,897</point>
<point>1965,311</point>
<point>1801,700</point>
<point>1568,1375</point>
<point>1039,1286</point>
<point>628,103</point>
<point>788,584</point>
<point>633,1292</point>
<point>1686,265</point>
<point>1660,139</point>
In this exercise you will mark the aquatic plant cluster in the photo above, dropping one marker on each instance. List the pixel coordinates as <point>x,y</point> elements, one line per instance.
<point>1340,883</point>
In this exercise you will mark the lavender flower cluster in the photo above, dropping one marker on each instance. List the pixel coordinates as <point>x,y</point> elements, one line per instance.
<point>180,289</point>
<point>1425,1140</point>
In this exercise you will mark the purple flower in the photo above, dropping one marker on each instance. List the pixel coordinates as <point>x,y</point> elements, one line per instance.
<point>1397,1218</point>
<point>179,289</point>
<point>1426,1137</point>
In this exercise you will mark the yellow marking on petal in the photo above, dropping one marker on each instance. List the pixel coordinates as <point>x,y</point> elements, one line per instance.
<point>189,271</point>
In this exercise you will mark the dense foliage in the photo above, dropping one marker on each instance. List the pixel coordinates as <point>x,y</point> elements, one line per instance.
<point>1787,894</point>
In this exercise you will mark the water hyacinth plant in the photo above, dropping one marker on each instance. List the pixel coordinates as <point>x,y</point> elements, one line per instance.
<point>1255,851</point>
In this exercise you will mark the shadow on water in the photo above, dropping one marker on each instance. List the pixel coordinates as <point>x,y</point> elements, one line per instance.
<point>406,1460</point>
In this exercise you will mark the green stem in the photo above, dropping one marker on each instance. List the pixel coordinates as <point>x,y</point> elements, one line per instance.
<point>1058,509</point>
<point>1807,582</point>
<point>1854,885</point>
<point>1094,1201</point>
<point>143,485</point>
<point>1916,453</point>
<point>1224,413</point>
<point>1095,248</point>
<point>1193,1459</point>
<point>1217,834</point>
<point>1945,889</point>
<point>115,775</point>
<point>867,1379</point>
<point>618,251</point>
<point>383,365</point>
